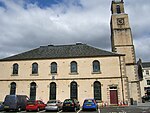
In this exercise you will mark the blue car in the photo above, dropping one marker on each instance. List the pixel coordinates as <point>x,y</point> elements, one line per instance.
<point>90,104</point>
<point>1,106</point>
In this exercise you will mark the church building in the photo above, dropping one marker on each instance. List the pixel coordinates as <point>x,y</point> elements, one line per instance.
<point>77,71</point>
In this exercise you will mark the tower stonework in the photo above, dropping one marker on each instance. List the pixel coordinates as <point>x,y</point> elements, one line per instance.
<point>122,43</point>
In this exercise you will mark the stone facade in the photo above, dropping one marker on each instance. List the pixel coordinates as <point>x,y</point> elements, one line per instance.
<point>112,74</point>
<point>114,80</point>
<point>144,75</point>
<point>122,42</point>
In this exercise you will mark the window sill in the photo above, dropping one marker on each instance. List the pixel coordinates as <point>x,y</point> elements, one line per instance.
<point>53,74</point>
<point>14,75</point>
<point>96,72</point>
<point>34,74</point>
<point>73,73</point>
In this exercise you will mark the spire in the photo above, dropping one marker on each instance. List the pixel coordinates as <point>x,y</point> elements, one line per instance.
<point>117,6</point>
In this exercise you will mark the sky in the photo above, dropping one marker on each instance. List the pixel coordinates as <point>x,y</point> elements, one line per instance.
<point>29,24</point>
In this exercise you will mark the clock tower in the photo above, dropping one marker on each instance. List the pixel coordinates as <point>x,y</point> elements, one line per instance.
<point>122,43</point>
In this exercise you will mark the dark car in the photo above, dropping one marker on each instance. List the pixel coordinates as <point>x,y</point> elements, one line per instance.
<point>146,98</point>
<point>35,105</point>
<point>15,102</point>
<point>1,106</point>
<point>70,105</point>
<point>90,104</point>
<point>53,105</point>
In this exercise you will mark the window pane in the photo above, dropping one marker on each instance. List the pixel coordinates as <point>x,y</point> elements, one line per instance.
<point>73,67</point>
<point>73,90</point>
<point>15,69</point>
<point>97,90</point>
<point>52,91</point>
<point>148,82</point>
<point>53,67</point>
<point>33,91</point>
<point>13,88</point>
<point>96,66</point>
<point>118,9</point>
<point>34,68</point>
<point>147,72</point>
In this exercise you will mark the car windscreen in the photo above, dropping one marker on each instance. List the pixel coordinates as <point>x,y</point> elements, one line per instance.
<point>31,102</point>
<point>68,101</point>
<point>9,99</point>
<point>51,102</point>
<point>88,101</point>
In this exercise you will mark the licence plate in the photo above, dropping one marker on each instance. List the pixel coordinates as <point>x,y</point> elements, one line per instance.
<point>88,105</point>
<point>31,105</point>
<point>6,106</point>
<point>67,104</point>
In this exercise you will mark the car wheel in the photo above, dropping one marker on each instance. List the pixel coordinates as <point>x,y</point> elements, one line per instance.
<point>38,109</point>
<point>75,109</point>
<point>58,109</point>
<point>19,109</point>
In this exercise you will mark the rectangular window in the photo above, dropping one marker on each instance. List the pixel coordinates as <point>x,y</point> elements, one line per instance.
<point>147,72</point>
<point>148,82</point>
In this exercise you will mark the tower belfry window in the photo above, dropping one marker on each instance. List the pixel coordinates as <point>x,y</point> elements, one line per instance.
<point>118,9</point>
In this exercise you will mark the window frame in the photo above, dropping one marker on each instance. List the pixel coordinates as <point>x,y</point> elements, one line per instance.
<point>35,68</point>
<point>118,9</point>
<point>52,91</point>
<point>53,68</point>
<point>73,90</point>
<point>73,67</point>
<point>97,90</point>
<point>12,88</point>
<point>96,67</point>
<point>148,82</point>
<point>147,72</point>
<point>33,87</point>
<point>15,69</point>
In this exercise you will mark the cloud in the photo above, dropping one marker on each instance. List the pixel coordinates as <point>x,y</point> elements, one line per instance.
<point>26,25</point>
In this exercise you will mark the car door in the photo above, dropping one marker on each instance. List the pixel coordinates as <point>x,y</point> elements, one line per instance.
<point>42,105</point>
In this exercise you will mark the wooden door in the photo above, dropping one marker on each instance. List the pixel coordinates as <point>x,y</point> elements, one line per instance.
<point>113,97</point>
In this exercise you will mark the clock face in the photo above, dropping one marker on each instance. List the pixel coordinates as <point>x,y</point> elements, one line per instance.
<point>120,21</point>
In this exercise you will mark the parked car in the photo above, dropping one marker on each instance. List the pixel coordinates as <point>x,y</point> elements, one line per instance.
<point>15,102</point>
<point>70,104</point>
<point>35,105</point>
<point>146,98</point>
<point>1,106</point>
<point>90,104</point>
<point>53,105</point>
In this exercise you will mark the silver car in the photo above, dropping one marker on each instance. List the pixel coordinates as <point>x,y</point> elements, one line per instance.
<point>53,105</point>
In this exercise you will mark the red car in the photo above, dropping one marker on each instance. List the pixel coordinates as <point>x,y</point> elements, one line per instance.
<point>35,105</point>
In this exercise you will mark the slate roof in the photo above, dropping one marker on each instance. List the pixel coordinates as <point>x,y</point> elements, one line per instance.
<point>145,64</point>
<point>61,51</point>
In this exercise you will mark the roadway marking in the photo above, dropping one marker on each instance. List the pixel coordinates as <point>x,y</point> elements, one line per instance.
<point>79,111</point>
<point>59,111</point>
<point>99,111</point>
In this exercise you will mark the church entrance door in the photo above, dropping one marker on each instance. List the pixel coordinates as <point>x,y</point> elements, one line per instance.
<point>113,95</point>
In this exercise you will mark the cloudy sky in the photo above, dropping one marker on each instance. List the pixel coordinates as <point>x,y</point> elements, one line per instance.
<point>28,24</point>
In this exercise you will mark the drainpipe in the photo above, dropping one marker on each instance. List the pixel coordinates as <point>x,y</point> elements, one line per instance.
<point>121,79</point>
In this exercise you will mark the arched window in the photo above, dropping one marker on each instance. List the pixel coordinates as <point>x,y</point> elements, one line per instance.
<point>96,66</point>
<point>33,91</point>
<point>13,88</point>
<point>52,91</point>
<point>53,68</point>
<point>15,68</point>
<point>118,9</point>
<point>97,90</point>
<point>34,68</point>
<point>73,67</point>
<point>73,90</point>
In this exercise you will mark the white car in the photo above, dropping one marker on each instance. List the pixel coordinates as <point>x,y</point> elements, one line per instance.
<point>53,105</point>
